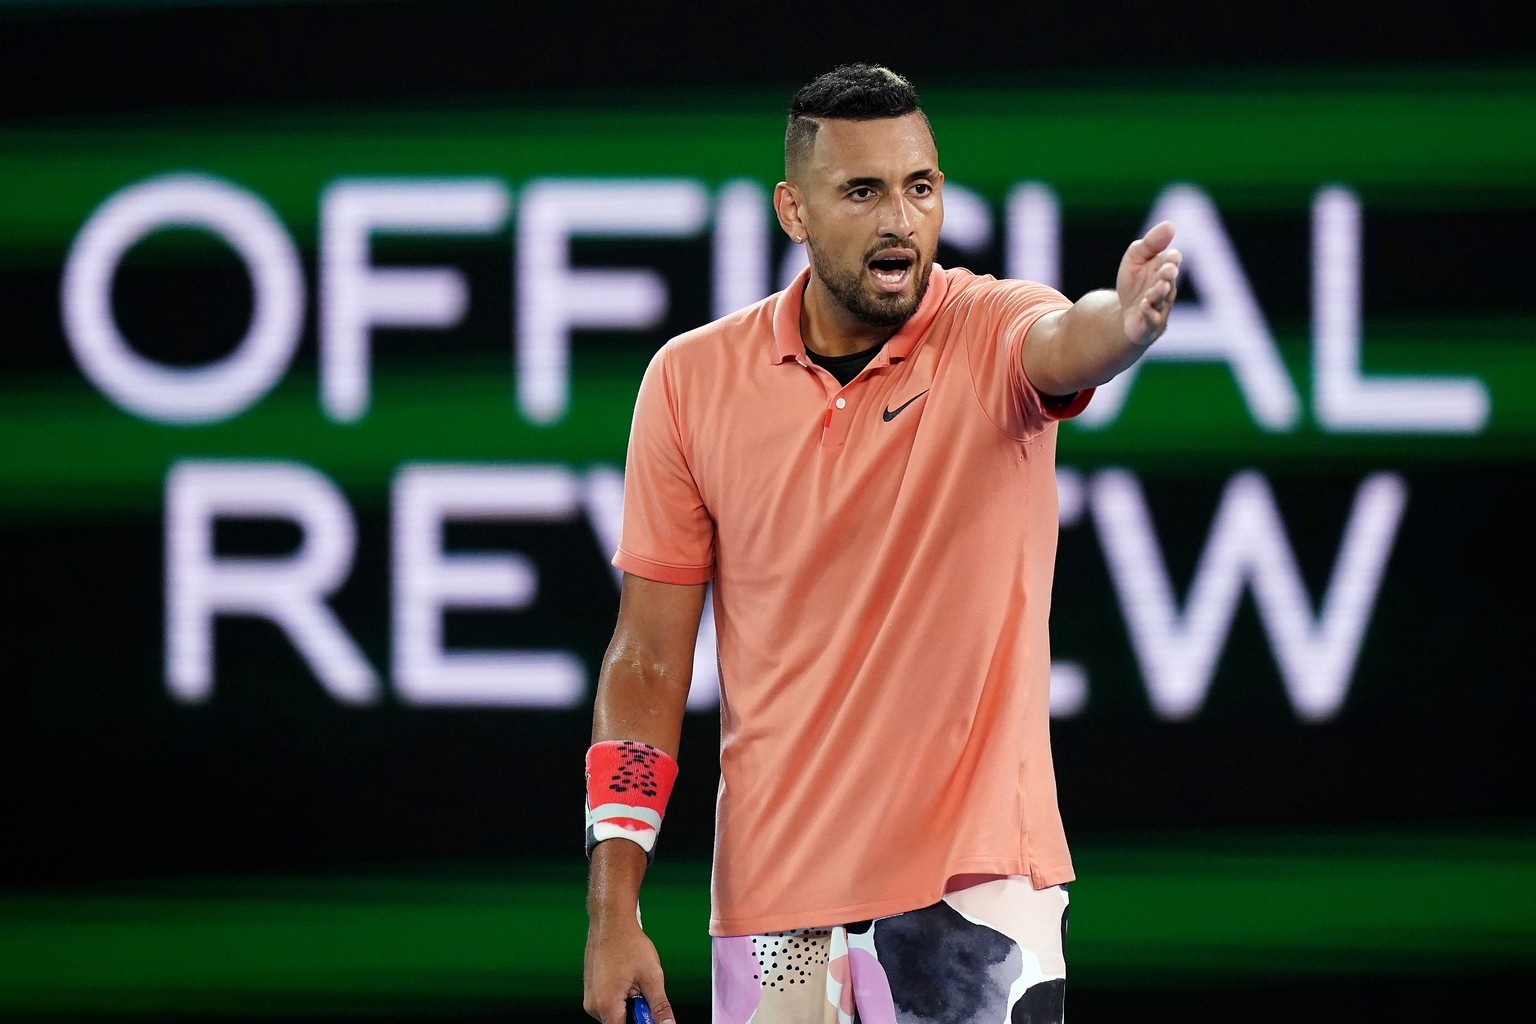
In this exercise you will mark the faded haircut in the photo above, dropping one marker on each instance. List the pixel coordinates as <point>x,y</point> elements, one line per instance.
<point>852,92</point>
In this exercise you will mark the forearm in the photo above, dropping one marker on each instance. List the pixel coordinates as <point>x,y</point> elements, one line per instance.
<point>613,883</point>
<point>1081,347</point>
<point>642,692</point>
<point>619,958</point>
<point>641,697</point>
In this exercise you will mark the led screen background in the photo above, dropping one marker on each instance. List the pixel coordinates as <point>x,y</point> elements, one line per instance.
<point>1290,683</point>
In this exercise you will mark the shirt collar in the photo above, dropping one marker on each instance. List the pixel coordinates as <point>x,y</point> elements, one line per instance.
<point>787,343</point>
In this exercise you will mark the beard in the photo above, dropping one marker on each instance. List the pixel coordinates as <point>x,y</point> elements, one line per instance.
<point>851,289</point>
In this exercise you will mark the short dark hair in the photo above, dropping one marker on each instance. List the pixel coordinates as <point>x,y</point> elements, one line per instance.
<point>853,92</point>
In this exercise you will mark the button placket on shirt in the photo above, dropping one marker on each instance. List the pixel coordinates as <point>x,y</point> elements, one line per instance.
<point>834,425</point>
<point>834,429</point>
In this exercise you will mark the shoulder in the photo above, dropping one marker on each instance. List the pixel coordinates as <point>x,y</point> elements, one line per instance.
<point>982,305</point>
<point>745,328</point>
<point>968,288</point>
<point>721,343</point>
<point>724,340</point>
<point>707,358</point>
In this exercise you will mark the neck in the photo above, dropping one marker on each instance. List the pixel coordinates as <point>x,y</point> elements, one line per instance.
<point>830,330</point>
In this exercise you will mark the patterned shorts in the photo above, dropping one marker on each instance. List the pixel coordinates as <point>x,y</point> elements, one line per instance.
<point>992,952</point>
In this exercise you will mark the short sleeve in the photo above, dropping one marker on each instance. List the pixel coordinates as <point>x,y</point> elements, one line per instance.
<point>1007,310</point>
<point>667,534</point>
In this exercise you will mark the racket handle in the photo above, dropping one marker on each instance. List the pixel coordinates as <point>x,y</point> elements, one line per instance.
<point>640,1011</point>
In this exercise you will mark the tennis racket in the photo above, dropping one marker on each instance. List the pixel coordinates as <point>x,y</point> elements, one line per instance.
<point>640,1011</point>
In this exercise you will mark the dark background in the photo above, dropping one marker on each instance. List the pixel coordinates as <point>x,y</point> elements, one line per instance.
<point>98,58</point>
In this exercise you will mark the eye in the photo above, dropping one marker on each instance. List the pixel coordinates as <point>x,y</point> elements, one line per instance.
<point>861,193</point>
<point>922,188</point>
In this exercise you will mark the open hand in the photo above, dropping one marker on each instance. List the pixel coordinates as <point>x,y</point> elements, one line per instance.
<point>1147,283</point>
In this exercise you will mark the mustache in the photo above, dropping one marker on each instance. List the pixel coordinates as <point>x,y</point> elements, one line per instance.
<point>892,242</point>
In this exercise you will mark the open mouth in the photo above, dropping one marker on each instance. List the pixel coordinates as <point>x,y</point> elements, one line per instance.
<point>891,270</point>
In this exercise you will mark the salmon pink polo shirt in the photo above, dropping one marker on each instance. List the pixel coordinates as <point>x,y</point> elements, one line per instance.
<point>882,556</point>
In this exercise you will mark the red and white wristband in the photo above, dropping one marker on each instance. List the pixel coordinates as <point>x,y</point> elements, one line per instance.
<point>628,784</point>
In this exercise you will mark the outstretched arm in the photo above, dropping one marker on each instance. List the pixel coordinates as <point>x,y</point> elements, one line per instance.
<point>1106,330</point>
<point>642,691</point>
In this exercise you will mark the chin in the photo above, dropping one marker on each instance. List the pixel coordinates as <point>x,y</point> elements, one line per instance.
<point>887,314</point>
<point>887,309</point>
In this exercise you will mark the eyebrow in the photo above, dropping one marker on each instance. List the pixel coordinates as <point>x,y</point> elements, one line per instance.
<point>871,182</point>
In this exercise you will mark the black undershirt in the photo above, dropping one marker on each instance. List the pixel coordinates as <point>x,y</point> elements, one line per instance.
<point>844,368</point>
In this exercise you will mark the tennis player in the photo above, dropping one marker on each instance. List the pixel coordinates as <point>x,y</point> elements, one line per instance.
<point>864,467</point>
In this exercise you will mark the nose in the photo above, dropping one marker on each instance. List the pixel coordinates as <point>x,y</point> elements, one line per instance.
<point>896,216</point>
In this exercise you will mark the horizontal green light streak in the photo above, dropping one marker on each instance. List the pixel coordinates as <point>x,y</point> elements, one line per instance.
<point>1420,140</point>
<point>1145,913</point>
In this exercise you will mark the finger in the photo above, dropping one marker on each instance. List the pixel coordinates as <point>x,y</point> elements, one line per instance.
<point>1152,310</point>
<point>1168,273</point>
<point>1165,273</point>
<point>1161,268</point>
<point>1154,241</point>
<point>661,1007</point>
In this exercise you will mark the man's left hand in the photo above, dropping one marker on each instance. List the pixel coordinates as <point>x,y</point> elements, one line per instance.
<point>1147,283</point>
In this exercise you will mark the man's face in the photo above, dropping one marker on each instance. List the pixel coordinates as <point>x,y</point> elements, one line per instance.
<point>870,199</point>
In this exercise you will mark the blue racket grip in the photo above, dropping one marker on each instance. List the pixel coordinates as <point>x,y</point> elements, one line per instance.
<point>640,1011</point>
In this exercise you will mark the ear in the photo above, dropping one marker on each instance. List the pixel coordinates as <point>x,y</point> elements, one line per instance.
<point>786,203</point>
